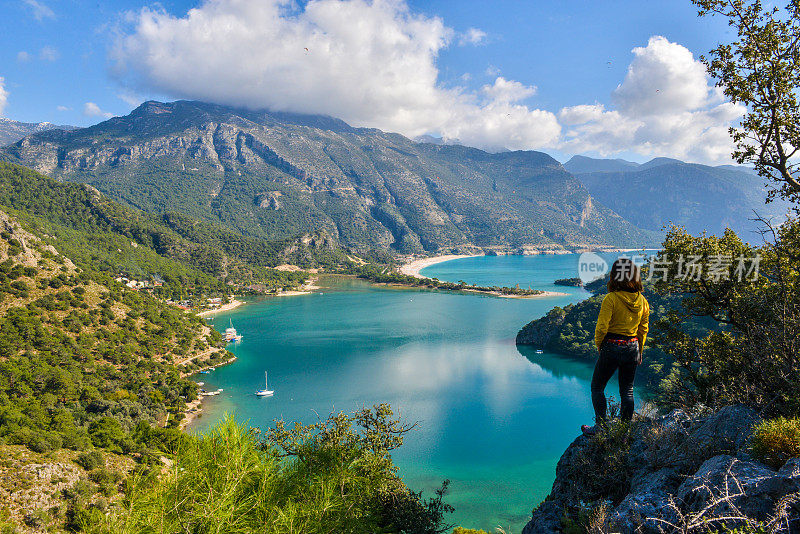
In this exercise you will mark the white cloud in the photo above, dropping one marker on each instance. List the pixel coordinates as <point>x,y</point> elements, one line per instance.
<point>23,56</point>
<point>472,36</point>
<point>63,108</point>
<point>132,99</point>
<point>665,107</point>
<point>374,63</point>
<point>508,90</point>
<point>90,109</point>
<point>371,63</point>
<point>3,94</point>
<point>39,10</point>
<point>48,53</point>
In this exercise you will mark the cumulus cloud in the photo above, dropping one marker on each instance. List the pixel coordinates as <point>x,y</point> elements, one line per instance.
<point>90,109</point>
<point>508,90</point>
<point>372,63</point>
<point>23,56</point>
<point>3,94</point>
<point>665,106</point>
<point>63,108</point>
<point>48,53</point>
<point>39,10</point>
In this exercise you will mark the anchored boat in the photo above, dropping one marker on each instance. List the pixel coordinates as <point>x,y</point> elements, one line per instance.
<point>266,392</point>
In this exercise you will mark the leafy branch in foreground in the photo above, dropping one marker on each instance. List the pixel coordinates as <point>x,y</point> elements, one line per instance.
<point>333,476</point>
<point>761,70</point>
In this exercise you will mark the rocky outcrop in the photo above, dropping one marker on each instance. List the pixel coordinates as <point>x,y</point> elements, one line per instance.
<point>673,473</point>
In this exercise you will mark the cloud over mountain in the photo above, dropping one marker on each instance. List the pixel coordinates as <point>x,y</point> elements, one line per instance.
<point>370,63</point>
<point>665,106</point>
<point>374,63</point>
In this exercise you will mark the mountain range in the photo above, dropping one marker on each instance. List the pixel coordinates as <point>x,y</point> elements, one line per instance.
<point>666,190</point>
<point>13,131</point>
<point>281,175</point>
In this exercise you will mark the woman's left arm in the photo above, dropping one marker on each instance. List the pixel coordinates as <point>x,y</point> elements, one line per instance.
<point>644,327</point>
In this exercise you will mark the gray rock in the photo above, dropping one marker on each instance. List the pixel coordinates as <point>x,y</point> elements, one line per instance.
<point>725,485</point>
<point>726,430</point>
<point>546,519</point>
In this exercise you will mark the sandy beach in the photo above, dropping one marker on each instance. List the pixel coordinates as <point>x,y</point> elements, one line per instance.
<point>305,289</point>
<point>225,307</point>
<point>413,268</point>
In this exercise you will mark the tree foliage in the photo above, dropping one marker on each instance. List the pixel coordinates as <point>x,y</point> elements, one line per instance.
<point>761,70</point>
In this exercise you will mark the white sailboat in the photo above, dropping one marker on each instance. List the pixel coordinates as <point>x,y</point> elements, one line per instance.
<point>266,392</point>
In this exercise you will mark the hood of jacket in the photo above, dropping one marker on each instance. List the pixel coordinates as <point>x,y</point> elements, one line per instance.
<point>633,301</point>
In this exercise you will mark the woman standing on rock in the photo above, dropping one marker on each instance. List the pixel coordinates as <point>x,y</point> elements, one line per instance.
<point>620,335</point>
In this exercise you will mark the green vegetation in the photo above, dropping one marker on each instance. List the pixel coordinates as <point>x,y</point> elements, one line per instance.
<point>334,476</point>
<point>572,282</point>
<point>752,358</point>
<point>192,259</point>
<point>776,440</point>
<point>386,274</point>
<point>761,70</point>
<point>83,361</point>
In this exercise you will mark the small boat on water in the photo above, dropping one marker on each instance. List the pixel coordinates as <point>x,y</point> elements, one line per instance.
<point>266,392</point>
<point>205,393</point>
<point>231,334</point>
<point>539,351</point>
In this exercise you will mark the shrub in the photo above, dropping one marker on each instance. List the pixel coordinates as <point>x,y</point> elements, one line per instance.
<point>776,440</point>
<point>328,477</point>
<point>90,460</point>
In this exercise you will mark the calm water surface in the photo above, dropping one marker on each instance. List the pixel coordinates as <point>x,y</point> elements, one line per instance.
<point>494,419</point>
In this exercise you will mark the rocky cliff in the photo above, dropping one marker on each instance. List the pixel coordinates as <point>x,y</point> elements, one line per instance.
<point>673,473</point>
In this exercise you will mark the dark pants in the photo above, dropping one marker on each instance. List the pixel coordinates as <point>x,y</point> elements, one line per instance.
<point>615,356</point>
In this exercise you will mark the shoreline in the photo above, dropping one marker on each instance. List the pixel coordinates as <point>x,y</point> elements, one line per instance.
<point>224,308</point>
<point>413,267</point>
<point>307,288</point>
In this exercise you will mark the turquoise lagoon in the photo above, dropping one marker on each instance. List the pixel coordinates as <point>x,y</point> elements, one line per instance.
<point>492,418</point>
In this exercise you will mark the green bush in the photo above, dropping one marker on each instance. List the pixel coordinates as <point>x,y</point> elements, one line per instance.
<point>90,460</point>
<point>776,440</point>
<point>335,476</point>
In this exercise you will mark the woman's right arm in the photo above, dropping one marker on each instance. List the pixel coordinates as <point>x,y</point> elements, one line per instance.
<point>603,319</point>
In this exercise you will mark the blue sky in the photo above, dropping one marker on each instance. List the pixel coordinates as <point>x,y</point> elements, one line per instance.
<point>515,73</point>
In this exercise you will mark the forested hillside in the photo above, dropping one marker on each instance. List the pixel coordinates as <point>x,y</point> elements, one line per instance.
<point>283,176</point>
<point>192,258</point>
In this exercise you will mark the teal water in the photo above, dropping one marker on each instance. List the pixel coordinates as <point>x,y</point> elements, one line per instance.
<point>494,419</point>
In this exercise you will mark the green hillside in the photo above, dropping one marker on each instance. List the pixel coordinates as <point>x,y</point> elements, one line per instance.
<point>192,258</point>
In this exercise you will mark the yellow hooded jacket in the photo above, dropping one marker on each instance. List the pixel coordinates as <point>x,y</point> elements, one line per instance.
<point>623,313</point>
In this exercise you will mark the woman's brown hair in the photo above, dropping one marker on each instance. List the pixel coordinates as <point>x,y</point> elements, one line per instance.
<point>625,276</point>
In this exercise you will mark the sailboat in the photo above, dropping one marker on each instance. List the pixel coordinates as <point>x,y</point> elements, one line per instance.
<point>266,392</point>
